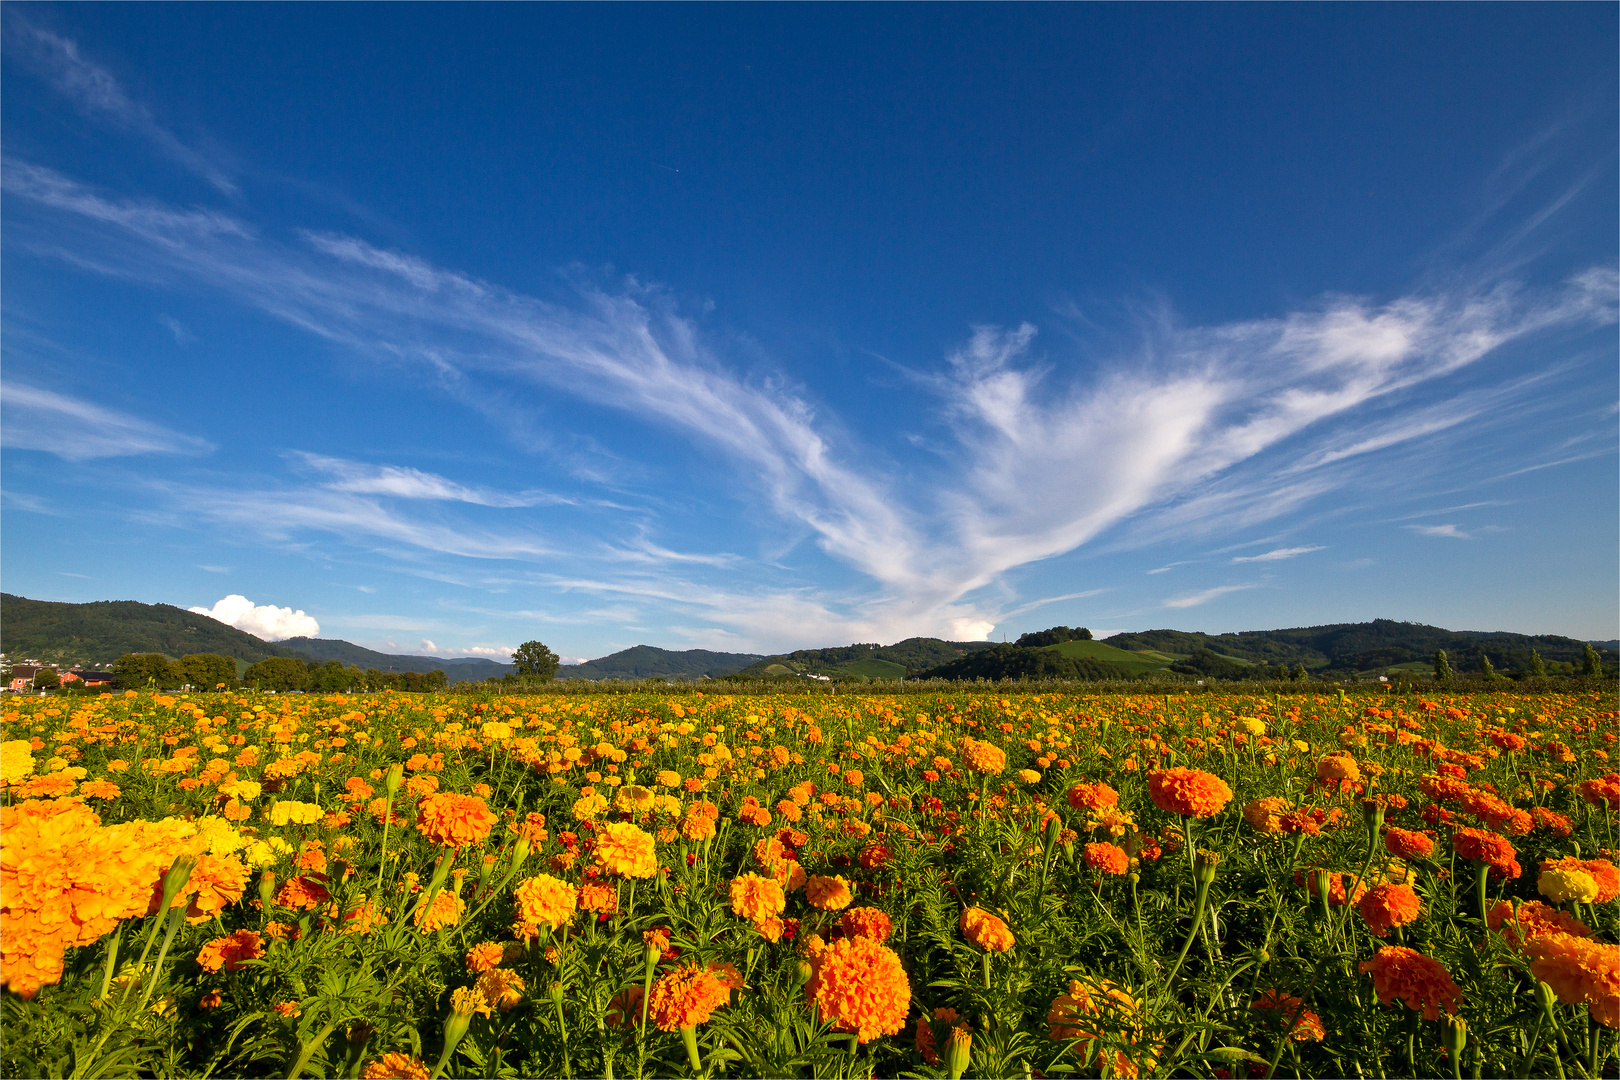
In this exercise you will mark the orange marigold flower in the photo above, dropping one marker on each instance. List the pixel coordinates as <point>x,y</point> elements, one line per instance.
<point>395,1066</point>
<point>229,952</point>
<point>866,922</point>
<point>758,898</point>
<point>1385,906</point>
<point>686,997</point>
<point>1579,970</point>
<point>1092,796</point>
<point>1108,858</point>
<point>1094,1010</point>
<point>1477,845</point>
<point>545,899</point>
<point>485,957</point>
<point>625,1008</point>
<point>446,910</point>
<point>1406,844</point>
<point>1422,982</point>
<point>828,893</point>
<point>622,848</point>
<point>1533,919</point>
<point>985,930</point>
<point>1337,767</point>
<point>1602,790</point>
<point>1337,886</point>
<point>1189,792</point>
<point>594,896</point>
<point>454,820</point>
<point>1601,871</point>
<point>501,988</point>
<point>861,988</point>
<point>926,1046</point>
<point>303,893</point>
<point>1307,1026</point>
<point>1265,815</point>
<point>983,757</point>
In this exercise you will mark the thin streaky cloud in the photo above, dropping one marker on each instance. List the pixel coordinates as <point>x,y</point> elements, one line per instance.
<point>79,430</point>
<point>1157,437</point>
<point>97,93</point>
<point>1454,532</point>
<point>407,483</point>
<point>1204,597</point>
<point>1277,554</point>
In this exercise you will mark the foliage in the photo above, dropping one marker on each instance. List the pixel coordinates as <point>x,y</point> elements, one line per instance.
<point>533,660</point>
<point>1057,635</point>
<point>1013,662</point>
<point>884,791</point>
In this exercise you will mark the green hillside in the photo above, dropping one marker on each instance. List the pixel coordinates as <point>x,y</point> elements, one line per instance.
<point>1134,662</point>
<point>101,632</point>
<point>868,660</point>
<point>647,662</point>
<point>456,668</point>
<point>1350,648</point>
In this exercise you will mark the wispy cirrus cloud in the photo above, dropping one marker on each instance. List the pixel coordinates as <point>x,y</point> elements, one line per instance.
<point>1037,462</point>
<point>1454,532</point>
<point>1204,596</point>
<point>78,430</point>
<point>1276,554</point>
<point>95,92</point>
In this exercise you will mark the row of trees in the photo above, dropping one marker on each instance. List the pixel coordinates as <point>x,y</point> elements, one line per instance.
<point>210,671</point>
<point>1591,666</point>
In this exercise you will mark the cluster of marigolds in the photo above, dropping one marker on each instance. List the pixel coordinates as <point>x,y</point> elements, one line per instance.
<point>260,821</point>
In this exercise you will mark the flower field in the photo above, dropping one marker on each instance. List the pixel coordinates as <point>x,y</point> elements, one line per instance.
<point>670,884</point>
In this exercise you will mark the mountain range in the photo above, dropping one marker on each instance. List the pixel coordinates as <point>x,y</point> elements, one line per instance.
<point>98,633</point>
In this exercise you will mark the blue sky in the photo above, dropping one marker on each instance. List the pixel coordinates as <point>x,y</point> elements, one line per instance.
<point>764,327</point>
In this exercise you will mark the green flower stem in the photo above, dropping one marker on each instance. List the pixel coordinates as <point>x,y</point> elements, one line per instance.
<point>689,1037</point>
<point>112,962</point>
<point>177,915</point>
<point>308,1049</point>
<point>1199,900</point>
<point>1481,872</point>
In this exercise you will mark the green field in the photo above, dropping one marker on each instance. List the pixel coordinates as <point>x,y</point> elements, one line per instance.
<point>873,669</point>
<point>1096,650</point>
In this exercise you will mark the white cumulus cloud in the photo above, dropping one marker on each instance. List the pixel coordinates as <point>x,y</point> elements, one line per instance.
<point>261,620</point>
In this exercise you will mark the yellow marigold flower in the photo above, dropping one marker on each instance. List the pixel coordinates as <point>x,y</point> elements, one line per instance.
<point>1338,767</point>
<point>446,910</point>
<point>860,986</point>
<point>1250,725</point>
<point>621,848</point>
<point>985,930</point>
<point>1562,885</point>
<point>669,778</point>
<point>1029,776</point>
<point>288,812</point>
<point>828,893</point>
<point>586,807</point>
<point>16,760</point>
<point>757,898</point>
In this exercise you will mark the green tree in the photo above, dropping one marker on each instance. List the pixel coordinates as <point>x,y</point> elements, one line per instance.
<point>1536,669</point>
<point>1591,666</point>
<point>1486,666</point>
<point>137,671</point>
<point>1442,667</point>
<point>1300,674</point>
<point>46,679</point>
<point>281,673</point>
<point>208,671</point>
<point>534,660</point>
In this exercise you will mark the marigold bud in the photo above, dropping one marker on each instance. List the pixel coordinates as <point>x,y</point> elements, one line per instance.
<point>958,1051</point>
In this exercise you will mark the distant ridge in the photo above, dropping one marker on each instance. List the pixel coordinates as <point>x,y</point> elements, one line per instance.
<point>456,668</point>
<point>648,662</point>
<point>101,632</point>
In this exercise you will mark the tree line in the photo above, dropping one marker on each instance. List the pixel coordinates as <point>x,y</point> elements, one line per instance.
<point>210,671</point>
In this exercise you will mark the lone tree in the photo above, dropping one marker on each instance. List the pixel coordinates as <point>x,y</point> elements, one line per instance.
<point>1486,666</point>
<point>535,661</point>
<point>1591,666</point>
<point>1442,667</point>
<point>1537,669</point>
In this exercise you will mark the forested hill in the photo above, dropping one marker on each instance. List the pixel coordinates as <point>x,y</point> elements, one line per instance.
<point>1368,646</point>
<point>457,668</point>
<point>647,661</point>
<point>869,661</point>
<point>101,632</point>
